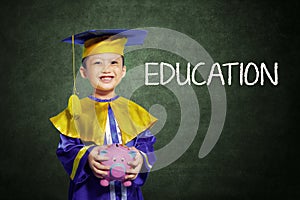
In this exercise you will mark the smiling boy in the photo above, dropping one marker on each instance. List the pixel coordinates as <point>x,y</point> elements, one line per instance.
<point>105,118</point>
<point>104,71</point>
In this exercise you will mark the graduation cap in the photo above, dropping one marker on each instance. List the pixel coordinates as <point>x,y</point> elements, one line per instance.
<point>96,42</point>
<point>107,40</point>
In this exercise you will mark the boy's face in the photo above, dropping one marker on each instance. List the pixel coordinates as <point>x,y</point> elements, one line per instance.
<point>104,71</point>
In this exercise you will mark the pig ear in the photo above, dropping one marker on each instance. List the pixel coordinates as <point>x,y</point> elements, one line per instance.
<point>132,154</point>
<point>103,152</point>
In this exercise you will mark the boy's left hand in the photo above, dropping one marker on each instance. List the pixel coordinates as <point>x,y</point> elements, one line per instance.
<point>136,165</point>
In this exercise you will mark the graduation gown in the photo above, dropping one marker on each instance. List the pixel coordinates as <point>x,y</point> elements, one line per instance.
<point>79,136</point>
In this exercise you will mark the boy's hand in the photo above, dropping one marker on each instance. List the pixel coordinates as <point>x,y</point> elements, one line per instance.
<point>95,160</point>
<point>136,165</point>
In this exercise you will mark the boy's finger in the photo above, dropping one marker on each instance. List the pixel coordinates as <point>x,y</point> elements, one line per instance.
<point>133,163</point>
<point>130,176</point>
<point>99,172</point>
<point>131,171</point>
<point>101,158</point>
<point>99,166</point>
<point>97,175</point>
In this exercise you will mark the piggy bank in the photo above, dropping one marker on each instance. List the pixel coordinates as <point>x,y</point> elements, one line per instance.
<point>119,155</point>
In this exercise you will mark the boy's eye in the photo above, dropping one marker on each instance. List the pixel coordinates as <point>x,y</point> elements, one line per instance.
<point>114,62</point>
<point>97,63</point>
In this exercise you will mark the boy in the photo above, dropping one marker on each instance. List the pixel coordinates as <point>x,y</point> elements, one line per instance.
<point>104,118</point>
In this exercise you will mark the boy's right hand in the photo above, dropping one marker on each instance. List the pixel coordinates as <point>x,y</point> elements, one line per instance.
<point>95,160</point>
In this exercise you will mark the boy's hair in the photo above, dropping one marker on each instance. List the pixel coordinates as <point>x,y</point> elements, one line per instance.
<point>84,61</point>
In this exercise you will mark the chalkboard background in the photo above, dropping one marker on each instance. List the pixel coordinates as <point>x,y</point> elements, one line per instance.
<point>256,155</point>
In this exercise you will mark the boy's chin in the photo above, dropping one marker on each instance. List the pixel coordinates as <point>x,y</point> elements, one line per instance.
<point>106,87</point>
<point>104,90</point>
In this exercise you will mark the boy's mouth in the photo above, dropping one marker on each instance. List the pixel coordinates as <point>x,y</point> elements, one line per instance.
<point>106,78</point>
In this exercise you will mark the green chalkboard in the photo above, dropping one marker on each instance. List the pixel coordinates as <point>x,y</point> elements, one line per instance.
<point>256,155</point>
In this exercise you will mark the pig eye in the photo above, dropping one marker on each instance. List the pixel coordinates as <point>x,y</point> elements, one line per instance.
<point>114,159</point>
<point>103,152</point>
<point>122,159</point>
<point>132,154</point>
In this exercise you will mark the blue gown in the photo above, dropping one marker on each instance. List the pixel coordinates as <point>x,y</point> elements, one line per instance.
<point>73,154</point>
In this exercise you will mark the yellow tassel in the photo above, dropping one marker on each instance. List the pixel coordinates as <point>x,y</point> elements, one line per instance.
<point>74,106</point>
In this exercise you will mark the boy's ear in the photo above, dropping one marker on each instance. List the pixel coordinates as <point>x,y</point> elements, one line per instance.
<point>83,72</point>
<point>124,71</point>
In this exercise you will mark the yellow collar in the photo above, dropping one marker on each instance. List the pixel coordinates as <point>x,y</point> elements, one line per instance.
<point>90,126</point>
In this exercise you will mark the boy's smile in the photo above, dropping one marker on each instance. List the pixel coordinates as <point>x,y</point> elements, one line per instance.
<point>104,71</point>
<point>105,78</point>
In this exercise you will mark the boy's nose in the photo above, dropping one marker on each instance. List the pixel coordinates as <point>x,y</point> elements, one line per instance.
<point>106,68</point>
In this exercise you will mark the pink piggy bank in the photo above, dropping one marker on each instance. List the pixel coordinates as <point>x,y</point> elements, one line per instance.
<point>119,155</point>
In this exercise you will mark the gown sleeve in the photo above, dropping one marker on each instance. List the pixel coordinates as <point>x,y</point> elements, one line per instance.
<point>144,143</point>
<point>73,155</point>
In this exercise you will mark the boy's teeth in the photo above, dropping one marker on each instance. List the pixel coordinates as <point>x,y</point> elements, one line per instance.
<point>106,78</point>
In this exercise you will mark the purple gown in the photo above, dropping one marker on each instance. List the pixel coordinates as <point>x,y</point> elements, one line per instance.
<point>85,186</point>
